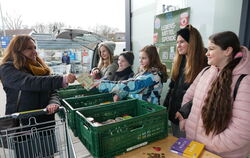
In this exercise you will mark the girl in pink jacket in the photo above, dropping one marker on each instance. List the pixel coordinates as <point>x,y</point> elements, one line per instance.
<point>216,119</point>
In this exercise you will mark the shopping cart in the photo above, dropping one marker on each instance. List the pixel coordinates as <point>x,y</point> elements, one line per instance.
<point>36,140</point>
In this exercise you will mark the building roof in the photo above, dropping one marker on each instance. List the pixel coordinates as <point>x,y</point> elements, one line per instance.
<point>48,41</point>
<point>17,32</point>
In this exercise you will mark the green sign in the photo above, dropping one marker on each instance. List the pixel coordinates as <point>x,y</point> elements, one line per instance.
<point>165,27</point>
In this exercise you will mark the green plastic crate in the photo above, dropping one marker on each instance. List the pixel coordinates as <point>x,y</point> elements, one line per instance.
<point>77,86</point>
<point>78,92</point>
<point>149,123</point>
<point>74,91</point>
<point>73,104</point>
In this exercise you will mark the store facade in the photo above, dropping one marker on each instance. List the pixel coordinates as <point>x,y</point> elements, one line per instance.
<point>208,16</point>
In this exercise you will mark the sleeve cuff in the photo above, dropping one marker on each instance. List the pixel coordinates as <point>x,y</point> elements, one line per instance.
<point>64,83</point>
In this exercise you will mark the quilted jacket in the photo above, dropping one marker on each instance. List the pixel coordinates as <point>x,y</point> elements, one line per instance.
<point>233,142</point>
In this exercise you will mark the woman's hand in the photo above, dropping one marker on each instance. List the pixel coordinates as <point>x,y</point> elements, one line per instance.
<point>70,78</point>
<point>96,84</point>
<point>182,121</point>
<point>179,116</point>
<point>182,124</point>
<point>52,108</point>
<point>116,98</point>
<point>95,71</point>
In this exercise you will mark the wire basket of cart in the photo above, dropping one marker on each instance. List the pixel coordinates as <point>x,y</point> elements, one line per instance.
<point>35,140</point>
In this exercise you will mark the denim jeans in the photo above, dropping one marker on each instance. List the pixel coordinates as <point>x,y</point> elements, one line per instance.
<point>176,131</point>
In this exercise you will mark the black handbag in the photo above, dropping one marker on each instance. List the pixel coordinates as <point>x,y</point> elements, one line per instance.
<point>8,123</point>
<point>186,109</point>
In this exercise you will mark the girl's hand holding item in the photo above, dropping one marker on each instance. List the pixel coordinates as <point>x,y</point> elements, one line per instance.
<point>116,98</point>
<point>95,84</point>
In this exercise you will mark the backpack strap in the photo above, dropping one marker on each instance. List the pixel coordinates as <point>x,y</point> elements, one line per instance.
<point>238,84</point>
<point>18,100</point>
<point>205,69</point>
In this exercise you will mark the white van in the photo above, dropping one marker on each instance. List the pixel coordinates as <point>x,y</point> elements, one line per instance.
<point>119,48</point>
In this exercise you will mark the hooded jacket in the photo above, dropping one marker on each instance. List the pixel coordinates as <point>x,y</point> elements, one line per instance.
<point>234,141</point>
<point>144,86</point>
<point>109,71</point>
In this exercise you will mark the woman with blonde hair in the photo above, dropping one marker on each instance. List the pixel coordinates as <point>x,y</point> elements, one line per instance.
<point>189,60</point>
<point>106,67</point>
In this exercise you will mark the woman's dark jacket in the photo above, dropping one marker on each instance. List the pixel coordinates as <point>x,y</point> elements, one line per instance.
<point>177,89</point>
<point>36,91</point>
<point>123,75</point>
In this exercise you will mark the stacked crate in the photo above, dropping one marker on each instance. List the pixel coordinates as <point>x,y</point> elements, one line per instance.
<point>88,110</point>
<point>148,124</point>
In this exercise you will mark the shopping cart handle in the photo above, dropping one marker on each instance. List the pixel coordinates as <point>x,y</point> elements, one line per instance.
<point>40,111</point>
<point>26,114</point>
<point>14,115</point>
<point>30,113</point>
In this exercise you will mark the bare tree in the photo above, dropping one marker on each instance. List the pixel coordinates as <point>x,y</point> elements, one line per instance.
<point>48,28</point>
<point>39,27</point>
<point>13,22</point>
<point>103,30</point>
<point>55,26</point>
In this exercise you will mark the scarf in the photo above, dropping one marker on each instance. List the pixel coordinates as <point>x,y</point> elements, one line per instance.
<point>38,67</point>
<point>124,72</point>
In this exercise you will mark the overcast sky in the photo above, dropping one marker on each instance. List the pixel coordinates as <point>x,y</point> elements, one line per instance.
<point>83,13</point>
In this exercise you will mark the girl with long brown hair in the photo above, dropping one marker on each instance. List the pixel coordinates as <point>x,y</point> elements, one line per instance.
<point>217,119</point>
<point>189,60</point>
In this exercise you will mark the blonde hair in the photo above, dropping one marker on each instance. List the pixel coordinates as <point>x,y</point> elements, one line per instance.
<point>104,63</point>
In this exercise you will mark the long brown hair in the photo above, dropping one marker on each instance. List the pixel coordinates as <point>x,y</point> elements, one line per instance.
<point>154,61</point>
<point>14,51</point>
<point>217,111</point>
<point>104,63</point>
<point>196,58</point>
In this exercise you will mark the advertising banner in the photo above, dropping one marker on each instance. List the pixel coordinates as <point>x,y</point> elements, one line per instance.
<point>165,27</point>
